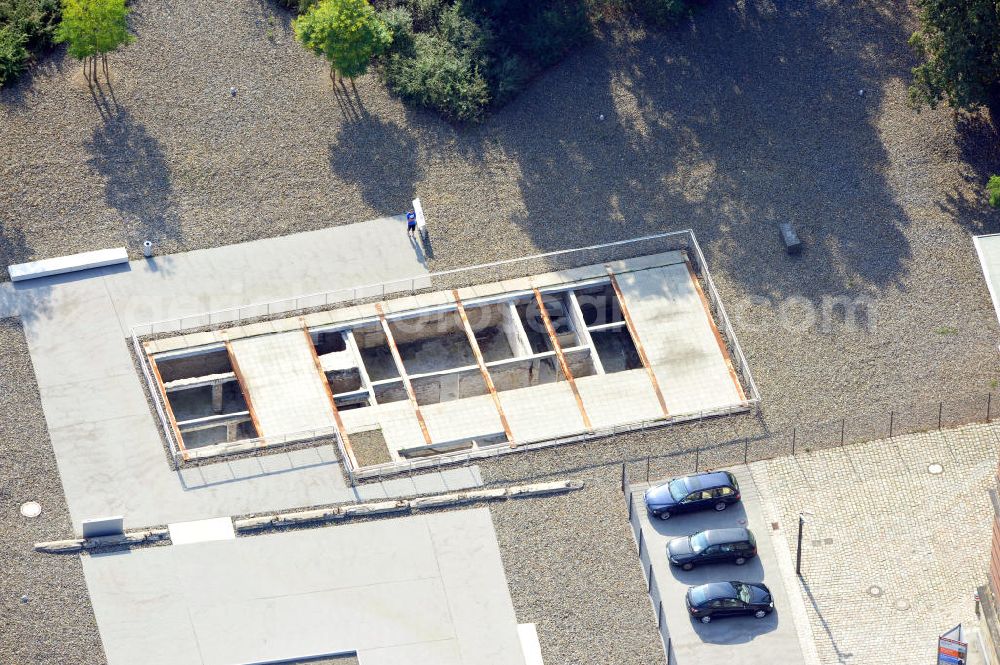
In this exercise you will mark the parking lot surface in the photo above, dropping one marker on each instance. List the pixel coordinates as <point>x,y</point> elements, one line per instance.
<point>744,640</point>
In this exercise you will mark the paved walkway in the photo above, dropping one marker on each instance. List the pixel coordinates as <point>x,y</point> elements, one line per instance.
<point>894,553</point>
<point>103,431</point>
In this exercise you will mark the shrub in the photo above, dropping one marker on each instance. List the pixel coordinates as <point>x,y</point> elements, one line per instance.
<point>399,20</point>
<point>660,13</point>
<point>507,75</point>
<point>13,55</point>
<point>554,30</point>
<point>439,77</point>
<point>297,6</point>
<point>993,190</point>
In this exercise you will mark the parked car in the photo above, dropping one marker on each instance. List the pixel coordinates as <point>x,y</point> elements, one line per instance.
<point>735,545</point>
<point>723,599</point>
<point>699,491</point>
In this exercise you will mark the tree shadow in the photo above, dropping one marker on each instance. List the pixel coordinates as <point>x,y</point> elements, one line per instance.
<point>747,116</point>
<point>137,176</point>
<point>381,159</point>
<point>978,140</point>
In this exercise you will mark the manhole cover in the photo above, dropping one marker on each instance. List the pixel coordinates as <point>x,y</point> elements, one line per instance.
<point>935,469</point>
<point>31,509</point>
<point>875,590</point>
<point>901,605</point>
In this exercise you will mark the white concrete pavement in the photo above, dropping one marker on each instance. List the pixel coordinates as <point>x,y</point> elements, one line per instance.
<point>104,434</point>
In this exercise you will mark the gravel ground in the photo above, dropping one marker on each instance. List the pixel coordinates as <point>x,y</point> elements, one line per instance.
<point>56,625</point>
<point>748,116</point>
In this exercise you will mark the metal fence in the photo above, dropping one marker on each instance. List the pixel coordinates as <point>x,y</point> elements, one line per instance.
<point>562,260</point>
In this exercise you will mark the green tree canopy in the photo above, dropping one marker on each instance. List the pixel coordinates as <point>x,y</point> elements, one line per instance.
<point>93,28</point>
<point>348,33</point>
<point>960,40</point>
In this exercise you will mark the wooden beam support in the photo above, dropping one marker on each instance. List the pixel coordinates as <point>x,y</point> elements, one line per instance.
<point>166,406</point>
<point>638,342</point>
<point>715,329</point>
<point>329,394</point>
<point>562,358</point>
<point>487,379</point>
<point>402,372</point>
<point>246,393</point>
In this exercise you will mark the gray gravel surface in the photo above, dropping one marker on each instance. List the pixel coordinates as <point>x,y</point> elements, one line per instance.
<point>750,115</point>
<point>56,625</point>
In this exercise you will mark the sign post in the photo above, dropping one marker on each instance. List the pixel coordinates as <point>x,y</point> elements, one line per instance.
<point>952,647</point>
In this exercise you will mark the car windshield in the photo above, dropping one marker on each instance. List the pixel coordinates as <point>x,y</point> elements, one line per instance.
<point>743,591</point>
<point>698,542</point>
<point>678,489</point>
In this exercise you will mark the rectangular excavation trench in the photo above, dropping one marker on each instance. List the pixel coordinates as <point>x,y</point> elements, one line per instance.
<point>204,397</point>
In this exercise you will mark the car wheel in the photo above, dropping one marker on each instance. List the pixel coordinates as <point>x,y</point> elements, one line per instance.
<point>688,566</point>
<point>722,505</point>
<point>739,561</point>
<point>706,619</point>
<point>665,515</point>
<point>760,614</point>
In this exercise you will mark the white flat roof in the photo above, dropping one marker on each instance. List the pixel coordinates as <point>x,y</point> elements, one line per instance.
<point>419,590</point>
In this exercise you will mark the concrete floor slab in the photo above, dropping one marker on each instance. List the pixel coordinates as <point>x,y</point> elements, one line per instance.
<point>541,412</point>
<point>680,343</point>
<point>283,384</point>
<point>619,398</point>
<point>395,591</point>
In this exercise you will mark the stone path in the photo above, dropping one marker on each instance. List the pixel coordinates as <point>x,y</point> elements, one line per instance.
<point>893,554</point>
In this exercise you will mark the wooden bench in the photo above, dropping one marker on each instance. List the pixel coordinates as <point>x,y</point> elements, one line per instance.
<point>64,264</point>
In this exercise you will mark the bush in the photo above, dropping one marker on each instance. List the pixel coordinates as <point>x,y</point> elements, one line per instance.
<point>660,13</point>
<point>297,6</point>
<point>399,20</point>
<point>36,20</point>
<point>554,31</point>
<point>439,77</point>
<point>13,55</point>
<point>993,190</point>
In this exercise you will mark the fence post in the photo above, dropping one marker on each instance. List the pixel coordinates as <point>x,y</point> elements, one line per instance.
<point>843,422</point>
<point>793,440</point>
<point>649,580</point>
<point>630,502</point>
<point>647,468</point>
<point>989,403</point>
<point>697,456</point>
<point>641,540</point>
<point>940,409</point>
<point>623,477</point>
<point>659,615</point>
<point>670,656</point>
<point>892,417</point>
<point>746,448</point>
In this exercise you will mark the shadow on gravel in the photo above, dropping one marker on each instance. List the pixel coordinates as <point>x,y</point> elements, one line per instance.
<point>137,177</point>
<point>381,158</point>
<point>748,116</point>
<point>979,142</point>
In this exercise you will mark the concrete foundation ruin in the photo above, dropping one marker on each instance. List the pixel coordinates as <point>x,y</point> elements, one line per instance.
<point>501,364</point>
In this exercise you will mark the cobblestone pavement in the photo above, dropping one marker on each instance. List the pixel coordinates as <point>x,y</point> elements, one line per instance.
<point>893,554</point>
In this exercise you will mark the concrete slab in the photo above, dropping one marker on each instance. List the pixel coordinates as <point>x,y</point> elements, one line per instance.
<point>619,398</point>
<point>745,640</point>
<point>394,591</point>
<point>541,412</point>
<point>680,343</point>
<point>201,531</point>
<point>282,383</point>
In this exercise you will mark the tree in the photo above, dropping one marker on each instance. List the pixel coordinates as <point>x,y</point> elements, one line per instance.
<point>93,28</point>
<point>960,40</point>
<point>348,33</point>
<point>993,191</point>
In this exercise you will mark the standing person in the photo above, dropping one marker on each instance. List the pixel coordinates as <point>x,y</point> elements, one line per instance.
<point>411,224</point>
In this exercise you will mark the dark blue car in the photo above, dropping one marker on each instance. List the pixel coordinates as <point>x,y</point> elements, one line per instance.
<point>700,491</point>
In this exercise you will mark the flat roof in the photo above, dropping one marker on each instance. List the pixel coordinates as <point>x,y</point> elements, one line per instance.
<point>419,590</point>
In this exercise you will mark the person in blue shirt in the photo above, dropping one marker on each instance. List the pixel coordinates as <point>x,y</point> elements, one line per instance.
<point>411,224</point>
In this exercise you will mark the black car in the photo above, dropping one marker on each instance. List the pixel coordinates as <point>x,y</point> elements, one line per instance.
<point>723,599</point>
<point>734,545</point>
<point>700,491</point>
